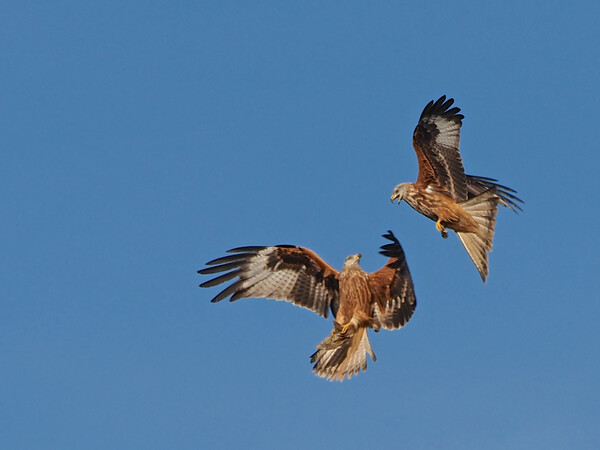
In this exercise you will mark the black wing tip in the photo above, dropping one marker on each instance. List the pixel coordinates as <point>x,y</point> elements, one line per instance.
<point>506,194</point>
<point>240,253</point>
<point>480,178</point>
<point>441,107</point>
<point>205,284</point>
<point>222,267</point>
<point>509,201</point>
<point>390,235</point>
<point>248,249</point>
<point>492,181</point>
<point>392,249</point>
<point>215,299</point>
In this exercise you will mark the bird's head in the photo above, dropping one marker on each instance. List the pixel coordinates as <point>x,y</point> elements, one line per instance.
<point>352,260</point>
<point>399,192</point>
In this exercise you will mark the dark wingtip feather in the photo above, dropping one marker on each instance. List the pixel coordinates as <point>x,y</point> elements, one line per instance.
<point>229,290</point>
<point>390,235</point>
<point>221,268</point>
<point>223,278</point>
<point>477,185</point>
<point>230,258</point>
<point>442,103</point>
<point>249,249</point>
<point>393,249</point>
<point>441,107</point>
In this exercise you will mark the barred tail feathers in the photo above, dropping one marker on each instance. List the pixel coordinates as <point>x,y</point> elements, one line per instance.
<point>342,355</point>
<point>483,209</point>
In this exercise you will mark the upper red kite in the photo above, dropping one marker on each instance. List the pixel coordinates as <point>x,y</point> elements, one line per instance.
<point>443,192</point>
<point>358,300</point>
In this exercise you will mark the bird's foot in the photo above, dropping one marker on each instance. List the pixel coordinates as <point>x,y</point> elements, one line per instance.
<point>345,327</point>
<point>441,228</point>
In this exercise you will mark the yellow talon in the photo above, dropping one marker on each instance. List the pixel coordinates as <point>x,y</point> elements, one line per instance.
<point>442,228</point>
<point>345,327</point>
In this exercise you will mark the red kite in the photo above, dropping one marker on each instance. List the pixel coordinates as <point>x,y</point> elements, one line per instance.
<point>382,299</point>
<point>443,192</point>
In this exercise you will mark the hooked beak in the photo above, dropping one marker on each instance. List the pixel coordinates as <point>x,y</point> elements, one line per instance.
<point>394,197</point>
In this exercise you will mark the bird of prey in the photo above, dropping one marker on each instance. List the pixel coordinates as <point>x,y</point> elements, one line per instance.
<point>358,300</point>
<point>443,192</point>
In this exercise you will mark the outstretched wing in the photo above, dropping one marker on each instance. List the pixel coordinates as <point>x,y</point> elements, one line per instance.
<point>284,272</point>
<point>392,288</point>
<point>478,185</point>
<point>436,139</point>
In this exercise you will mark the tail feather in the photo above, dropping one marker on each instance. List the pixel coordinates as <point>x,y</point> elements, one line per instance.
<point>342,355</point>
<point>483,208</point>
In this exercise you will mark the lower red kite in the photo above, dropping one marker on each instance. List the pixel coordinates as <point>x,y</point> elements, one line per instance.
<point>443,192</point>
<point>382,299</point>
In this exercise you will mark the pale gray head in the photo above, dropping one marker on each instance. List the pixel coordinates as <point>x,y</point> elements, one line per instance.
<point>399,192</point>
<point>352,261</point>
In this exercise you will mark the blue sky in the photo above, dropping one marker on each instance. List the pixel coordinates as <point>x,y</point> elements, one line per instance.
<point>142,139</point>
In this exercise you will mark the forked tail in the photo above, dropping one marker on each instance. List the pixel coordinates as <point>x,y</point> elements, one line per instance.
<point>483,208</point>
<point>342,355</point>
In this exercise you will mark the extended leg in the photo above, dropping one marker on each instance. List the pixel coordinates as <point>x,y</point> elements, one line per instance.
<point>440,227</point>
<point>359,319</point>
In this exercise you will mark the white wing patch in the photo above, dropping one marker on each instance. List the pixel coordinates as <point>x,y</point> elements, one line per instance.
<point>259,273</point>
<point>449,132</point>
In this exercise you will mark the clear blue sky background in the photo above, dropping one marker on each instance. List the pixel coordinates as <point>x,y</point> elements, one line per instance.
<point>141,139</point>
